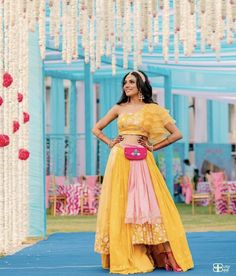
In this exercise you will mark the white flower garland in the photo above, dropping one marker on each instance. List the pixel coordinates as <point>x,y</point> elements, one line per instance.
<point>57,23</point>
<point>218,29</point>
<point>176,29</point>
<point>165,30</point>
<point>64,30</point>
<point>229,22</point>
<point>74,19</point>
<point>69,32</point>
<point>99,27</point>
<point>31,14</point>
<point>156,29</point>
<point>203,23</point>
<point>11,116</point>
<point>113,61</point>
<point>149,26</point>
<point>136,27</point>
<point>6,130</point>
<point>126,34</point>
<point>92,42</point>
<point>15,23</point>
<point>103,24</point>
<point>2,183</point>
<point>112,37</point>
<point>233,10</point>
<point>19,133</point>
<point>85,33</point>
<point>42,21</point>
<point>25,128</point>
<point>118,23</point>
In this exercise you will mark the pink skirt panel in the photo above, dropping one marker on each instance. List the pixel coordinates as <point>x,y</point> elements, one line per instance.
<point>142,206</point>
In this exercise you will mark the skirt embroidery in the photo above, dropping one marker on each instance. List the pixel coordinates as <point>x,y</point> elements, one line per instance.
<point>148,234</point>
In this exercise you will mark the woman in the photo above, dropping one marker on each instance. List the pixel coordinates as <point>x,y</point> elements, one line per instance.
<point>138,225</point>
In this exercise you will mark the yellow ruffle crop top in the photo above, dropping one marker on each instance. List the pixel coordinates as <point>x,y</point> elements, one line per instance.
<point>148,121</point>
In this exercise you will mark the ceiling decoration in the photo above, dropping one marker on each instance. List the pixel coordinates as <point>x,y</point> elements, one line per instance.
<point>103,26</point>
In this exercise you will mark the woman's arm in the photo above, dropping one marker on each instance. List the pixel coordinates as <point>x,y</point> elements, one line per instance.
<point>174,136</point>
<point>111,115</point>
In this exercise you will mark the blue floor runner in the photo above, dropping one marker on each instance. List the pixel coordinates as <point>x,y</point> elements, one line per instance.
<point>70,254</point>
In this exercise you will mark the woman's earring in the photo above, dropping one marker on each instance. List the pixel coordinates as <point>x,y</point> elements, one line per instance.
<point>140,96</point>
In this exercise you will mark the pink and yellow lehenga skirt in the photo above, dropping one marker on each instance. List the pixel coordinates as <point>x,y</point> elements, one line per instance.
<point>136,216</point>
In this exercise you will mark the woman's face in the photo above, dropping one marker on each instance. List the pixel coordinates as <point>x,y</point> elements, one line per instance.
<point>130,86</point>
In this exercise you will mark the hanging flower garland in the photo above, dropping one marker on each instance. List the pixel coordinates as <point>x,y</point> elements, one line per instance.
<point>156,22</point>
<point>74,34</point>
<point>17,19</point>
<point>85,33</point>
<point>42,21</point>
<point>203,26</point>
<point>150,26</point>
<point>99,45</point>
<point>91,39</point>
<point>137,34</point>
<point>165,30</point>
<point>105,25</point>
<point>176,29</point>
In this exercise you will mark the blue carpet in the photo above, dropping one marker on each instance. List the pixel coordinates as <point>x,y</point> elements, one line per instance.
<point>69,254</point>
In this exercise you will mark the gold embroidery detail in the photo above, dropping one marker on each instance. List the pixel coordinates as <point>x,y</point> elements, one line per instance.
<point>148,233</point>
<point>141,234</point>
<point>102,244</point>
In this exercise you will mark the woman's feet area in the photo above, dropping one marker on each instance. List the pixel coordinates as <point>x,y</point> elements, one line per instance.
<point>170,263</point>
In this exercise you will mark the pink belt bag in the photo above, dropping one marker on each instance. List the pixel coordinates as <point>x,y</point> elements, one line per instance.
<point>135,153</point>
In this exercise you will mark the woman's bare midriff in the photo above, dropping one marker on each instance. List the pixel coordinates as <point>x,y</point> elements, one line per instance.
<point>131,139</point>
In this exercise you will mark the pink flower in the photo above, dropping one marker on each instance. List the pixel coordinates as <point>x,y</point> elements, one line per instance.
<point>1,101</point>
<point>4,140</point>
<point>19,97</point>
<point>23,154</point>
<point>7,79</point>
<point>16,126</point>
<point>26,117</point>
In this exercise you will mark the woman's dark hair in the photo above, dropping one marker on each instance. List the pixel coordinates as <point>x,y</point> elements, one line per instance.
<point>142,86</point>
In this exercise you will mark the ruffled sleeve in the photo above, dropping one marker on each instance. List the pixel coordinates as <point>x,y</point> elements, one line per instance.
<point>156,117</point>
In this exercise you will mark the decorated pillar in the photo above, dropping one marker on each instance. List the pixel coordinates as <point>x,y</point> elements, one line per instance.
<point>104,107</point>
<point>57,140</point>
<point>89,121</point>
<point>200,120</point>
<point>217,122</point>
<point>37,160</point>
<point>181,115</point>
<point>109,94</point>
<point>72,130</point>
